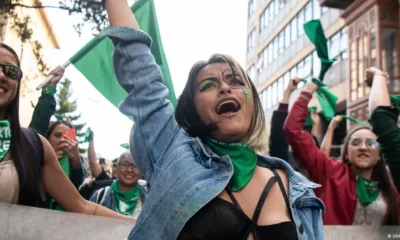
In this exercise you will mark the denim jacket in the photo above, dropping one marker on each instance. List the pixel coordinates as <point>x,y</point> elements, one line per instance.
<point>182,174</point>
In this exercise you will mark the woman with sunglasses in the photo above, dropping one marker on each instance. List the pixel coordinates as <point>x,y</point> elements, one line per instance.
<point>356,189</point>
<point>384,120</point>
<point>21,175</point>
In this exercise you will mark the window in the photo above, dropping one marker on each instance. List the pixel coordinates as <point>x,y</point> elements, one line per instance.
<point>286,79</point>
<point>316,9</point>
<point>300,22</point>
<point>334,45</point>
<point>274,93</point>
<point>287,36</point>
<point>275,47</point>
<point>252,8</point>
<point>281,42</point>
<point>280,89</point>
<point>389,51</point>
<point>251,41</point>
<point>308,12</point>
<point>270,13</point>
<point>300,69</point>
<point>293,26</point>
<point>270,53</point>
<point>265,57</point>
<point>252,73</point>
<point>307,66</point>
<point>272,9</point>
<point>269,97</point>
<point>293,72</point>
<point>343,44</point>
<point>264,99</point>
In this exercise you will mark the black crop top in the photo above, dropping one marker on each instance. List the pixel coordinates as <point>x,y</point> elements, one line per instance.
<point>220,219</point>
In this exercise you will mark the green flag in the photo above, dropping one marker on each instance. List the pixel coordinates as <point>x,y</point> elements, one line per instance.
<point>125,145</point>
<point>94,60</point>
<point>326,99</point>
<point>316,34</point>
<point>395,99</point>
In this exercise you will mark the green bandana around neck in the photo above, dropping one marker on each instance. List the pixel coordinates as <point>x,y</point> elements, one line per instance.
<point>125,202</point>
<point>243,157</point>
<point>367,191</point>
<point>5,138</point>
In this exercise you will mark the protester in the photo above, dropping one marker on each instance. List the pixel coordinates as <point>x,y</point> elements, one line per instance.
<point>125,195</point>
<point>194,191</point>
<point>28,162</point>
<point>356,190</point>
<point>278,146</point>
<point>384,121</point>
<point>101,178</point>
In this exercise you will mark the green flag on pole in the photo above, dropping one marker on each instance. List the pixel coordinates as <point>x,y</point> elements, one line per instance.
<point>94,60</point>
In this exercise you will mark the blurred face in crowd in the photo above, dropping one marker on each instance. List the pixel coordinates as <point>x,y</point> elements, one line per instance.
<point>223,97</point>
<point>55,138</point>
<point>128,173</point>
<point>8,85</point>
<point>363,149</point>
<point>114,173</point>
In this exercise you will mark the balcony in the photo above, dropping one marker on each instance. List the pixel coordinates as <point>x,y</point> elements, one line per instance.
<point>339,4</point>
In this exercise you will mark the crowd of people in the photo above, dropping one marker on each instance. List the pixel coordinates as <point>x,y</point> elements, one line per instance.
<point>199,171</point>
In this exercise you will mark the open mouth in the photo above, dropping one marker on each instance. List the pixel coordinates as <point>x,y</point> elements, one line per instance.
<point>227,107</point>
<point>363,155</point>
<point>3,89</point>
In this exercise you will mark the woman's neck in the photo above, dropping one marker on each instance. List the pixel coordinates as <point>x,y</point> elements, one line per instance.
<point>365,173</point>
<point>125,188</point>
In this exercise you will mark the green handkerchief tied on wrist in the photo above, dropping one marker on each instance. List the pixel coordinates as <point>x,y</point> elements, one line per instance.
<point>326,99</point>
<point>309,121</point>
<point>5,138</point>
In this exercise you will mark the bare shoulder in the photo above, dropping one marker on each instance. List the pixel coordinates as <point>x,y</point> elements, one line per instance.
<point>48,151</point>
<point>285,180</point>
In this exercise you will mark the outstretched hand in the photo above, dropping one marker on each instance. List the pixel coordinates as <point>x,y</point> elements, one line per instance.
<point>371,72</point>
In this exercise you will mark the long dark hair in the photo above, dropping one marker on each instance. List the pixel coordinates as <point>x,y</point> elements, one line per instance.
<point>187,116</point>
<point>53,125</point>
<point>28,171</point>
<point>381,175</point>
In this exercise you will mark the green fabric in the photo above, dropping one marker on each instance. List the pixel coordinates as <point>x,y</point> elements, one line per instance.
<point>125,145</point>
<point>359,122</point>
<point>243,157</point>
<point>64,162</point>
<point>88,135</point>
<point>315,33</point>
<point>49,89</point>
<point>5,138</point>
<point>395,99</point>
<point>367,191</point>
<point>326,99</point>
<point>94,60</point>
<point>309,121</point>
<point>125,202</point>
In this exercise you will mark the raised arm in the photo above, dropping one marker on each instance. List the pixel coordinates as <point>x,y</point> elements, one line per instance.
<point>95,167</point>
<point>58,186</point>
<point>155,127</point>
<point>379,94</point>
<point>384,122</point>
<point>318,164</point>
<point>278,146</point>
<point>46,105</point>
<point>327,141</point>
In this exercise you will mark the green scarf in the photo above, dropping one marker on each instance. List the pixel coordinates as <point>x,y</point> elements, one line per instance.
<point>5,138</point>
<point>125,202</point>
<point>355,120</point>
<point>64,162</point>
<point>367,191</point>
<point>243,157</point>
<point>309,121</point>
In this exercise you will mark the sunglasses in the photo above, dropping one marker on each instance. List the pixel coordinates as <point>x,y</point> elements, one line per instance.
<point>11,71</point>
<point>370,142</point>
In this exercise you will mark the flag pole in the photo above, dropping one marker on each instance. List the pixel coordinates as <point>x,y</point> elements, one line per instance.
<point>47,80</point>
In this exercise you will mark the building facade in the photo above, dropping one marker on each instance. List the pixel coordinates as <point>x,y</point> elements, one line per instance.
<point>42,32</point>
<point>360,33</point>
